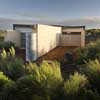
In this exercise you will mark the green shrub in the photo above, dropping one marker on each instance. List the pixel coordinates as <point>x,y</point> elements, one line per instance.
<point>90,52</point>
<point>11,66</point>
<point>43,82</point>
<point>88,94</point>
<point>74,86</point>
<point>47,72</point>
<point>12,51</point>
<point>2,35</point>
<point>5,86</point>
<point>92,70</point>
<point>7,45</point>
<point>3,54</point>
<point>27,88</point>
<point>4,81</point>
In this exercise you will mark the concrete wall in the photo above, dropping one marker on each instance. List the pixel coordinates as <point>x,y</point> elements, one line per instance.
<point>75,40</point>
<point>13,36</point>
<point>48,38</point>
<point>83,38</point>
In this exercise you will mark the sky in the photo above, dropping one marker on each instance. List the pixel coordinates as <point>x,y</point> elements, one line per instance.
<point>65,12</point>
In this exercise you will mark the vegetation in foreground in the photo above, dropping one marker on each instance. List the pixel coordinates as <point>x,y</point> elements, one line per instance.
<point>20,81</point>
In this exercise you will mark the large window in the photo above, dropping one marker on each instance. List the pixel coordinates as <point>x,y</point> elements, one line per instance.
<point>23,40</point>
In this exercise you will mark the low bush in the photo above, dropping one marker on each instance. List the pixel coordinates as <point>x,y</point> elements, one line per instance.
<point>90,52</point>
<point>77,87</point>
<point>92,70</point>
<point>27,88</point>
<point>45,81</point>
<point>7,45</point>
<point>74,85</point>
<point>5,86</point>
<point>42,83</point>
<point>47,71</point>
<point>11,66</point>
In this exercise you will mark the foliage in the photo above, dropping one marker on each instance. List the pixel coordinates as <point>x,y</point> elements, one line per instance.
<point>75,84</point>
<point>92,70</point>
<point>5,85</point>
<point>26,88</point>
<point>92,35</point>
<point>12,51</point>
<point>2,35</point>
<point>10,65</point>
<point>42,83</point>
<point>45,71</point>
<point>77,88</point>
<point>4,81</point>
<point>19,81</point>
<point>7,45</point>
<point>3,54</point>
<point>90,52</point>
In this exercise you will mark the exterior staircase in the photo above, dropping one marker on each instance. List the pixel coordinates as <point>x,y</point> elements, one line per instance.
<point>57,53</point>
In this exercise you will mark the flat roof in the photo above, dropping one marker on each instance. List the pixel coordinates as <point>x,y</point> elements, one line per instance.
<point>23,25</point>
<point>70,26</point>
<point>31,25</point>
<point>73,26</point>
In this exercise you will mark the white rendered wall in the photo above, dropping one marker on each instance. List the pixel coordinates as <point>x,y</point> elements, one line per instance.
<point>34,45</point>
<point>13,36</point>
<point>48,38</point>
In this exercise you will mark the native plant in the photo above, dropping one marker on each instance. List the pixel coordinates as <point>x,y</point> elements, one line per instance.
<point>12,51</point>
<point>6,45</point>
<point>43,82</point>
<point>3,54</point>
<point>5,86</point>
<point>12,66</point>
<point>75,83</point>
<point>90,52</point>
<point>92,70</point>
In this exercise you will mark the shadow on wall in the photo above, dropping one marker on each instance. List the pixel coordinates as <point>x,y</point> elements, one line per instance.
<point>52,45</point>
<point>34,55</point>
<point>58,38</point>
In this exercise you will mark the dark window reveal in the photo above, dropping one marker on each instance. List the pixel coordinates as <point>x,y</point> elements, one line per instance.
<point>72,33</point>
<point>23,40</point>
<point>75,33</point>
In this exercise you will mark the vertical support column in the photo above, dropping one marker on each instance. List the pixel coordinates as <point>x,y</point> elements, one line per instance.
<point>83,38</point>
<point>33,46</point>
<point>27,47</point>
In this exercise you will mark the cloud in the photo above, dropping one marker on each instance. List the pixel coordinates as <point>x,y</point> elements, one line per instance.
<point>35,16</point>
<point>90,22</point>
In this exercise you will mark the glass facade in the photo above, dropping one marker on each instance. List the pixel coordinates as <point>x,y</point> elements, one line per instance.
<point>23,40</point>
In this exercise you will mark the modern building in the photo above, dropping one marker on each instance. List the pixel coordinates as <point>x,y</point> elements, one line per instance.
<point>39,39</point>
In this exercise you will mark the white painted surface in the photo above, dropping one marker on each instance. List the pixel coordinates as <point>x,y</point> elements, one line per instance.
<point>34,45</point>
<point>48,38</point>
<point>31,51</point>
<point>13,36</point>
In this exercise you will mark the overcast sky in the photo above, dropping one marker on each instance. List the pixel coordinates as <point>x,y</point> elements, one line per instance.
<point>67,12</point>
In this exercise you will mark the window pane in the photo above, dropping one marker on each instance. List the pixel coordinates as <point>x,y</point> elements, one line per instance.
<point>23,40</point>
